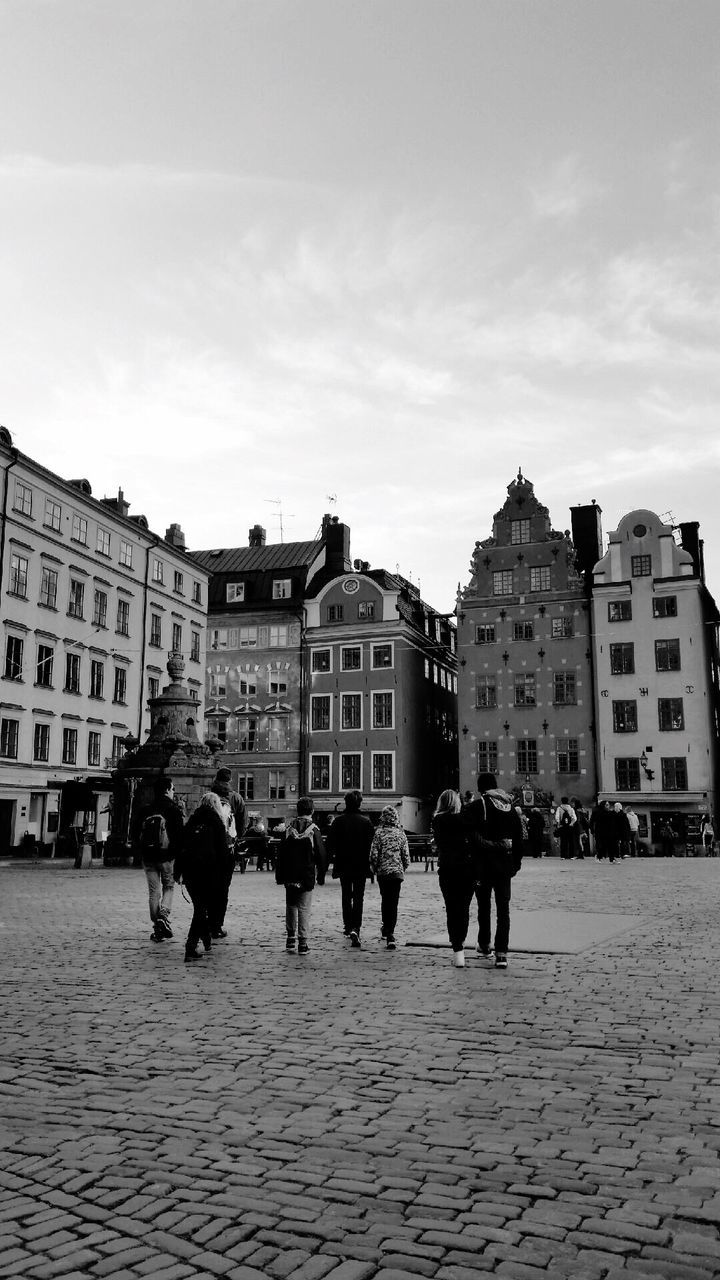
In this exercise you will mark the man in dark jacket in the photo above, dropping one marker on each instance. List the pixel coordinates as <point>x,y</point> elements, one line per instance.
<point>221,788</point>
<point>158,831</point>
<point>348,844</point>
<point>495,840</point>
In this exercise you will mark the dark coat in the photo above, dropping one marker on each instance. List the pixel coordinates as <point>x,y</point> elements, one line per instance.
<point>349,840</point>
<point>450,835</point>
<point>174,823</point>
<point>495,835</point>
<point>204,852</point>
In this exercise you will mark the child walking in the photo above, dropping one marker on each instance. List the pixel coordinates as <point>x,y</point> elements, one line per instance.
<point>301,861</point>
<point>389,860</point>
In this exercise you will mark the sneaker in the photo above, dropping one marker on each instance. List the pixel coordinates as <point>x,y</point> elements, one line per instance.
<point>192,955</point>
<point>501,960</point>
<point>303,948</point>
<point>290,945</point>
<point>485,955</point>
<point>219,933</point>
<point>162,926</point>
<point>458,959</point>
<point>383,931</point>
<point>354,938</point>
<point>391,944</point>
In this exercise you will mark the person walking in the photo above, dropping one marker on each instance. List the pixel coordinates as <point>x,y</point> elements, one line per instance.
<point>201,866</point>
<point>707,835</point>
<point>454,870</point>
<point>389,860</point>
<point>159,834</point>
<point>236,822</point>
<point>348,843</point>
<point>300,864</point>
<point>495,840</point>
<point>536,833</point>
<point>565,820</point>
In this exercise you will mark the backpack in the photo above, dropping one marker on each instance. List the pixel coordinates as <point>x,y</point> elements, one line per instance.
<point>565,820</point>
<point>154,834</point>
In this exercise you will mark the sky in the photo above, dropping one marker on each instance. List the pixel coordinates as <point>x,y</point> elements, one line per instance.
<point>276,258</point>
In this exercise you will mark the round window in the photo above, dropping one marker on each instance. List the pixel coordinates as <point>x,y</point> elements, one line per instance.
<point>350,586</point>
<point>640,530</point>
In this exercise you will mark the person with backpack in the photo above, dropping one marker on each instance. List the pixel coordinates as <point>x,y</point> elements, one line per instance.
<point>301,861</point>
<point>389,860</point>
<point>159,834</point>
<point>201,866</point>
<point>565,819</point>
<point>495,841</point>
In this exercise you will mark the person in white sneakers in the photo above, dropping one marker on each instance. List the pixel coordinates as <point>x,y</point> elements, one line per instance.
<point>454,871</point>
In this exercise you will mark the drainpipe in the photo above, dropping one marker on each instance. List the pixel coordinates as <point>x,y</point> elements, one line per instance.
<point>3,528</point>
<point>143,651</point>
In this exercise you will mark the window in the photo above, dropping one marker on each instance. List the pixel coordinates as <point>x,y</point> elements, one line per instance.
<point>624,717</point>
<point>53,514</point>
<point>44,666</point>
<point>366,609</point>
<point>23,498</point>
<point>247,733</point>
<point>485,692</point>
<point>619,610</point>
<point>246,786</point>
<point>525,690</point>
<point>18,575</point>
<point>523,630</point>
<point>97,678</point>
<point>382,710</point>
<point>158,571</point>
<point>120,688</point>
<point>277,682</point>
<point>540,578</point>
<point>383,769</point>
<point>334,613</point>
<point>519,532</point>
<point>281,588</point>
<point>487,757</point>
<point>382,656</point>
<point>100,604</point>
<point>247,637</point>
<point>664,606</point>
<point>503,582</point>
<point>568,758</point>
<point>640,566</point>
<point>69,746</point>
<point>564,688</point>
<point>93,747</point>
<point>234,592</point>
<point>248,685</point>
<point>320,712</point>
<point>320,772</point>
<point>278,637</point>
<point>321,660</point>
<point>76,603</point>
<point>217,684</point>
<point>278,733</point>
<point>41,742</point>
<point>118,748</point>
<point>122,624</point>
<point>627,774</point>
<point>13,658</point>
<point>194,646</point>
<point>72,673</point>
<point>351,659</point>
<point>126,553</point>
<point>79,529</point>
<point>485,634</point>
<point>176,637</point>
<point>670,714</point>
<point>667,655</point>
<point>9,732</point>
<point>674,774</point>
<point>197,593</point>
<point>622,659</point>
<point>102,544</point>
<point>526,757</point>
<point>351,711</point>
<point>177,582</point>
<point>351,771</point>
<point>218,638</point>
<point>153,687</point>
<point>562,628</point>
<point>155,630</point>
<point>48,588</point>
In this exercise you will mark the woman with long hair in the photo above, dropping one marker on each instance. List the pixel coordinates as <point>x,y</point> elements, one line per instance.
<point>454,870</point>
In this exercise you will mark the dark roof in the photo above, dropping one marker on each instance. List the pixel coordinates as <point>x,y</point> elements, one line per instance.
<point>276,555</point>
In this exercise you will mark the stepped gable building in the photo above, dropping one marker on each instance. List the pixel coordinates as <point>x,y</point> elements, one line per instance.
<point>381,711</point>
<point>524,648</point>
<point>255,671</point>
<point>656,671</point>
<point>93,604</point>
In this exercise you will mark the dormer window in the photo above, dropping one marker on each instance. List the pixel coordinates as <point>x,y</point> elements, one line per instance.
<point>235,592</point>
<point>282,588</point>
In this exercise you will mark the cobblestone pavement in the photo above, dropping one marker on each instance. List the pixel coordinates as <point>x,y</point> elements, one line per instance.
<point>358,1114</point>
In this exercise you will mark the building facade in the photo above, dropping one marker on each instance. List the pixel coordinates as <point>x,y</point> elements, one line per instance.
<point>656,672</point>
<point>524,647</point>
<point>93,602</point>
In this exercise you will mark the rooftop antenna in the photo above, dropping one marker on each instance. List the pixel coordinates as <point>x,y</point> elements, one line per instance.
<point>331,498</point>
<point>277,502</point>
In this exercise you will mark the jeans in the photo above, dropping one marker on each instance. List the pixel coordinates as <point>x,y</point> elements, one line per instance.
<point>160,888</point>
<point>353,896</point>
<point>457,891</point>
<point>200,894</point>
<point>221,891</point>
<point>297,913</point>
<point>389,898</point>
<point>484,890</point>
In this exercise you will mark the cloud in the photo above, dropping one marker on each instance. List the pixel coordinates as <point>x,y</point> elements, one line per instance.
<point>565,190</point>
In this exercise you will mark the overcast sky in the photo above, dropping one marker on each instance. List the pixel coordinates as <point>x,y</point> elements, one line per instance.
<point>386,251</point>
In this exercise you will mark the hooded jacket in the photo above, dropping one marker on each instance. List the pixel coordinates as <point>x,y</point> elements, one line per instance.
<point>495,835</point>
<point>389,854</point>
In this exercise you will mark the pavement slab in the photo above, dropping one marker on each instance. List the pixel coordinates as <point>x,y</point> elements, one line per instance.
<point>357,1114</point>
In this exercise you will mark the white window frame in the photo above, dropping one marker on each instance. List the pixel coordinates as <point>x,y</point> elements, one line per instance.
<point>22,501</point>
<point>382,644</point>
<point>19,574</point>
<point>122,617</point>
<point>53,515</point>
<point>375,694</point>
<point>178,582</point>
<point>125,557</point>
<point>235,592</point>
<point>317,697</point>
<point>278,635</point>
<point>250,680</point>
<point>248,636</point>
<point>194,646</point>
<point>69,740</point>
<point>41,737</point>
<point>49,578</point>
<point>351,693</point>
<point>158,571</point>
<point>281,676</point>
<point>103,541</point>
<point>351,648</point>
<point>176,634</point>
<point>319,755</point>
<point>351,755</point>
<point>381,790</point>
<point>94,734</point>
<point>538,572</point>
<point>321,648</point>
<point>281,588</point>
<point>79,529</point>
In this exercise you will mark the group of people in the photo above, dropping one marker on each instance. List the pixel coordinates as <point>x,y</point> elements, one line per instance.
<point>613,828</point>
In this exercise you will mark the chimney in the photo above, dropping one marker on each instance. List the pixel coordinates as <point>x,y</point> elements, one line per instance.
<point>116,504</point>
<point>337,545</point>
<point>587,535</point>
<point>175,536</point>
<point>691,542</point>
<point>257,536</point>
